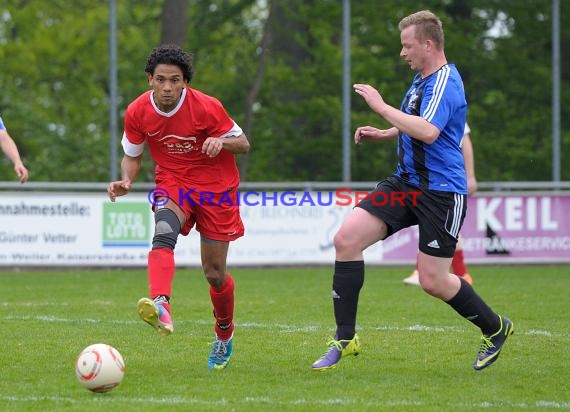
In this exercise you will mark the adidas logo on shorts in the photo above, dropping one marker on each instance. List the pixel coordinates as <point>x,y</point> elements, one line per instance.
<point>433,244</point>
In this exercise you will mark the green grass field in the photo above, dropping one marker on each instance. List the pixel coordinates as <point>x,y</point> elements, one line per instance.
<point>417,353</point>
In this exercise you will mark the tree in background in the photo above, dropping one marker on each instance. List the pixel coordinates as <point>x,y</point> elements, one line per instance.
<point>277,64</point>
<point>174,21</point>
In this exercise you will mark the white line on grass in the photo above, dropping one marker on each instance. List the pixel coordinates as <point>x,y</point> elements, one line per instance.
<point>112,399</point>
<point>283,328</point>
<point>58,304</point>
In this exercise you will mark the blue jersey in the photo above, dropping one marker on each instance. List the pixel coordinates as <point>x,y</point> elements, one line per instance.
<point>2,127</point>
<point>440,99</point>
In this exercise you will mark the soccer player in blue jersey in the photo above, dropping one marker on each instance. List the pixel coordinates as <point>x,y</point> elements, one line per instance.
<point>458,266</point>
<point>429,126</point>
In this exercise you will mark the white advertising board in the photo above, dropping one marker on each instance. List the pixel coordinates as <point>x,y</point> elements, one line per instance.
<point>286,228</point>
<point>38,229</point>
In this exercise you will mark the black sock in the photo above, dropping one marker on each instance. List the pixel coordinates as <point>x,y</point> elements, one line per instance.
<point>470,305</point>
<point>347,281</point>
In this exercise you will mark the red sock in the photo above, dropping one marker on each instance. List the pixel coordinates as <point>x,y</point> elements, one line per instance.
<point>458,263</point>
<point>160,272</point>
<point>223,301</point>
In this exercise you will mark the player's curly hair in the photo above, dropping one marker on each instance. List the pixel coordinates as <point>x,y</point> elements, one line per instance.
<point>170,54</point>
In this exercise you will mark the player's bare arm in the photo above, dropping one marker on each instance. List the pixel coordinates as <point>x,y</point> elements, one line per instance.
<point>10,149</point>
<point>235,144</point>
<point>374,134</point>
<point>414,126</point>
<point>130,167</point>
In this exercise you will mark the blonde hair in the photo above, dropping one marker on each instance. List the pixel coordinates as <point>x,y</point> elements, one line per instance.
<point>428,26</point>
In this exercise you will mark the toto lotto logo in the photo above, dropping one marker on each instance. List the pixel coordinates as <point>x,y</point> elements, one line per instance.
<point>126,224</point>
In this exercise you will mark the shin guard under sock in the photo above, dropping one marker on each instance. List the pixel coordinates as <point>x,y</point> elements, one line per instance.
<point>348,279</point>
<point>160,272</point>
<point>470,305</point>
<point>223,302</point>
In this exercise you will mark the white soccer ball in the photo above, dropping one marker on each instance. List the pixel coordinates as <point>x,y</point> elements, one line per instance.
<point>100,367</point>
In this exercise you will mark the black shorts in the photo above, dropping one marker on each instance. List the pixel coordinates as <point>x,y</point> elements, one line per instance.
<point>439,215</point>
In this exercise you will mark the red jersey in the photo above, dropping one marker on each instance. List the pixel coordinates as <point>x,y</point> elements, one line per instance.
<point>175,139</point>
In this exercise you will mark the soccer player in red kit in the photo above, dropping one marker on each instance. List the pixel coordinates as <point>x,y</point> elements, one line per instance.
<point>193,143</point>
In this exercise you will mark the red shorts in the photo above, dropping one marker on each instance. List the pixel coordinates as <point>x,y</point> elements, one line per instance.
<point>216,215</point>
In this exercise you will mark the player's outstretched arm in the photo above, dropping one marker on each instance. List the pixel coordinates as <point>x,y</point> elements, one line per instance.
<point>372,133</point>
<point>414,126</point>
<point>130,167</point>
<point>11,151</point>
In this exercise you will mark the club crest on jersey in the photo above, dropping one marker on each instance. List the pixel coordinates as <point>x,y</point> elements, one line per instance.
<point>413,101</point>
<point>178,144</point>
